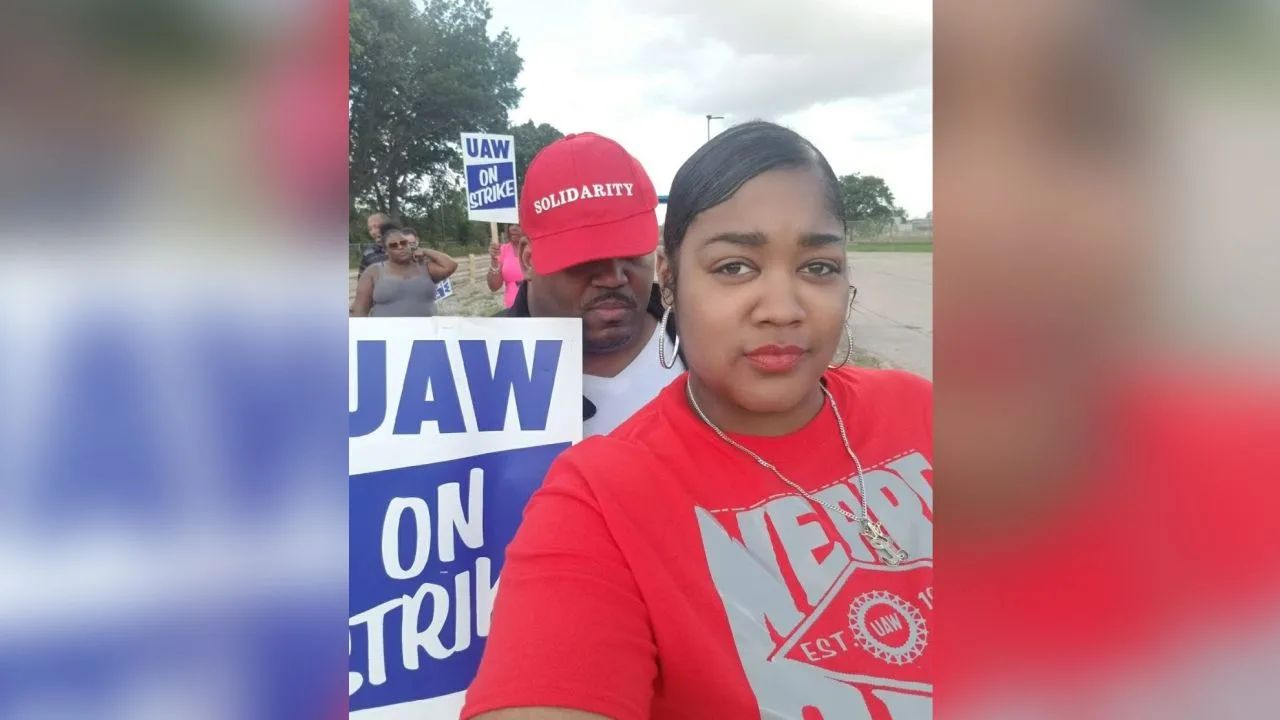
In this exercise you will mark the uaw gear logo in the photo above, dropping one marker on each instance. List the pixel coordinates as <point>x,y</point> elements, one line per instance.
<point>873,622</point>
<point>900,612</point>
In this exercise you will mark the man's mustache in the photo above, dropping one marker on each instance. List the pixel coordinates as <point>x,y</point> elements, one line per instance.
<point>612,297</point>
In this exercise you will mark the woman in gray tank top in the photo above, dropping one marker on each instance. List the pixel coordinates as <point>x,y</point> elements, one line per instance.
<point>404,285</point>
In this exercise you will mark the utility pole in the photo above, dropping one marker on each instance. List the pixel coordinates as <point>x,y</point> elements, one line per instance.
<point>709,119</point>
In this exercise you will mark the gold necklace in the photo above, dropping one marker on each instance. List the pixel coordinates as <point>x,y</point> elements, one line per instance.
<point>869,529</point>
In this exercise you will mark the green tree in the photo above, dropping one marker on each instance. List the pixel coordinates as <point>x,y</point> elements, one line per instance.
<point>529,140</point>
<point>419,78</point>
<point>868,203</point>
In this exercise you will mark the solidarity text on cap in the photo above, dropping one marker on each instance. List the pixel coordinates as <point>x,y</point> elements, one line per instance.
<point>587,192</point>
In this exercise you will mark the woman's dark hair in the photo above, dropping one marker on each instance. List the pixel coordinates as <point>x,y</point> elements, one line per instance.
<point>719,168</point>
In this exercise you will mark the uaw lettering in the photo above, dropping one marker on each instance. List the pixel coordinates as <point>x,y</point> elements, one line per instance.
<point>444,290</point>
<point>452,425</point>
<point>824,629</point>
<point>490,168</point>
<point>586,192</point>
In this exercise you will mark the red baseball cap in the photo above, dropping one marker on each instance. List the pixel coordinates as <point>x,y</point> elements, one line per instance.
<point>586,198</point>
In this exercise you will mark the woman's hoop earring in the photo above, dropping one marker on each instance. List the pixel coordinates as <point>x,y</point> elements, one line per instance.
<point>662,343</point>
<point>848,350</point>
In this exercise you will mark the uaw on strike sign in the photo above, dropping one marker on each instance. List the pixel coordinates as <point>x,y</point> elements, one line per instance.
<point>452,425</point>
<point>490,165</point>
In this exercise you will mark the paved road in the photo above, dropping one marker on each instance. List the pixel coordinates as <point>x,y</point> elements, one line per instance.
<point>893,316</point>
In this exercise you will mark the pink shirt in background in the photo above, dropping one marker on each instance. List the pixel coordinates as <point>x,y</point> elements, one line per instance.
<point>511,273</point>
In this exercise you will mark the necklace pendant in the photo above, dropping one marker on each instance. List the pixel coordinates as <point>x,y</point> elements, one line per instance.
<point>883,544</point>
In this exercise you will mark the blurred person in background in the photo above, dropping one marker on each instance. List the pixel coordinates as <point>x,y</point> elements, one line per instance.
<point>294,98</point>
<point>730,550</point>
<point>378,224</point>
<point>415,246</point>
<point>1110,514</point>
<point>505,272</point>
<point>591,256</point>
<point>78,133</point>
<point>401,286</point>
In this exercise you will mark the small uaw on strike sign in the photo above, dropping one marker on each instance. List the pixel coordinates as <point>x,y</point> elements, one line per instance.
<point>444,290</point>
<point>490,165</point>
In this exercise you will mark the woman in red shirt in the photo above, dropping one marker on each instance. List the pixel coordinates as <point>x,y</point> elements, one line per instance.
<point>758,540</point>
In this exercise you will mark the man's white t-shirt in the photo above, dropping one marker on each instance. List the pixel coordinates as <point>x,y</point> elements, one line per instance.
<point>619,397</point>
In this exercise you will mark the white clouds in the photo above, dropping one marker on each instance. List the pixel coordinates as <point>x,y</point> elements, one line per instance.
<point>853,76</point>
<point>877,138</point>
<point>769,58</point>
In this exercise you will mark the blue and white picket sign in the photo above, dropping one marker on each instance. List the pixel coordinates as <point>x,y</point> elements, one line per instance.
<point>489,162</point>
<point>452,425</point>
<point>444,289</point>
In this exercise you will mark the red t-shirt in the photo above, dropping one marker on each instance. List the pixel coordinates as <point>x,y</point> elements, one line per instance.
<point>661,573</point>
<point>1152,590</point>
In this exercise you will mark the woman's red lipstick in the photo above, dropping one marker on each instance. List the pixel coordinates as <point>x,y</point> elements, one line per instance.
<point>776,358</point>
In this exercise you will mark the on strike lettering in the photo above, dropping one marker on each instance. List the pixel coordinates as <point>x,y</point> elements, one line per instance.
<point>469,609</point>
<point>453,521</point>
<point>429,392</point>
<point>489,193</point>
<point>439,602</point>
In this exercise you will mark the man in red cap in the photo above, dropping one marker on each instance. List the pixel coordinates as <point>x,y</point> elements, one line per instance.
<point>589,215</point>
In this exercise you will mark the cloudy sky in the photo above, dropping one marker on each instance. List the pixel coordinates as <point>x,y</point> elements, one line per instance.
<point>854,76</point>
